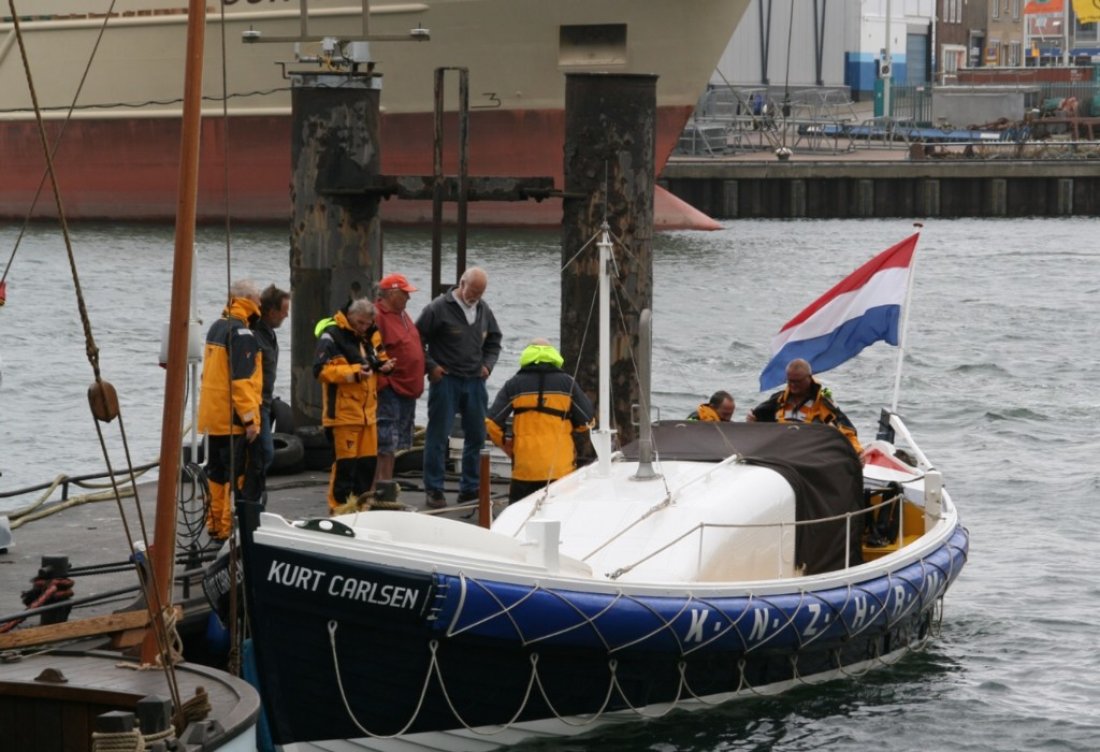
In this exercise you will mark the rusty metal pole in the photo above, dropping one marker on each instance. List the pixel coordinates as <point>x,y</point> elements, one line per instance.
<point>484,508</point>
<point>335,239</point>
<point>610,138</point>
<point>463,169</point>
<point>437,186</point>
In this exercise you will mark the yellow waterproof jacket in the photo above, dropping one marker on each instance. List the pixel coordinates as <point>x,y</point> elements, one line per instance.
<point>348,398</point>
<point>548,407</point>
<point>235,381</point>
<point>705,413</point>
<point>817,407</point>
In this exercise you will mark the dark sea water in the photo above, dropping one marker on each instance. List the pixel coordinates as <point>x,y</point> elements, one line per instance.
<point>999,386</point>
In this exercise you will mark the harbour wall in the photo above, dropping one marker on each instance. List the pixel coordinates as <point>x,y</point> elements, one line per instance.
<point>865,190</point>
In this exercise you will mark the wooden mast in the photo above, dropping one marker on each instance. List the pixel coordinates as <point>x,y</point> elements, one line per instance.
<point>163,549</point>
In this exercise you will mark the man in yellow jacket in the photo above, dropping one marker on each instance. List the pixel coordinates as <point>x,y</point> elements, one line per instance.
<point>547,407</point>
<point>229,406</point>
<point>719,408</point>
<point>348,358</point>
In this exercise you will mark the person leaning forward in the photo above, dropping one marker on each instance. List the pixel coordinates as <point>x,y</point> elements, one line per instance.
<point>462,343</point>
<point>399,389</point>
<point>229,406</point>
<point>348,357</point>
<point>719,407</point>
<point>804,400</point>
<point>548,408</point>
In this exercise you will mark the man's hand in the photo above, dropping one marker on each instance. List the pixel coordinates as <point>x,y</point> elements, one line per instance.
<point>436,373</point>
<point>251,431</point>
<point>485,372</point>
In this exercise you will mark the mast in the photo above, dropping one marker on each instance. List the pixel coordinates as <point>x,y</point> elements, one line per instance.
<point>163,549</point>
<point>601,436</point>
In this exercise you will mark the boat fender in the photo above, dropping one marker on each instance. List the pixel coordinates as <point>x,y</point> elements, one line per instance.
<point>289,454</point>
<point>282,416</point>
<point>318,450</point>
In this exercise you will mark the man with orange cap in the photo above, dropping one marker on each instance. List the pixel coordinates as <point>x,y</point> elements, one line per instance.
<point>399,389</point>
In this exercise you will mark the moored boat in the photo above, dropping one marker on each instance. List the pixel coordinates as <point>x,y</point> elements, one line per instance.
<point>704,562</point>
<point>709,582</point>
<point>91,699</point>
<point>117,158</point>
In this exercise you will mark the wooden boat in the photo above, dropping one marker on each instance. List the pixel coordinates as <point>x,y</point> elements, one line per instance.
<point>705,562</point>
<point>84,700</point>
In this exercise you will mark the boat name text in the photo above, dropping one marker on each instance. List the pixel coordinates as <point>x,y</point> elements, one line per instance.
<point>341,586</point>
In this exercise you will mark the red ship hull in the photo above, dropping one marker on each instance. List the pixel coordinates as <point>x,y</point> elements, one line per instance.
<point>125,169</point>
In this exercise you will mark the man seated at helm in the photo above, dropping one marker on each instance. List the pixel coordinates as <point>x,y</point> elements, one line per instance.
<point>719,407</point>
<point>804,400</point>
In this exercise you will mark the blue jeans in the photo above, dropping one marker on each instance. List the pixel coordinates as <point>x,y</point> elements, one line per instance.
<point>455,394</point>
<point>267,439</point>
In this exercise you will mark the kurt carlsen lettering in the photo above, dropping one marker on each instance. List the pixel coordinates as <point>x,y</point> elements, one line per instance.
<point>340,586</point>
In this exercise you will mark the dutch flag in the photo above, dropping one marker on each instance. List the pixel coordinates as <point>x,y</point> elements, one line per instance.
<point>858,311</point>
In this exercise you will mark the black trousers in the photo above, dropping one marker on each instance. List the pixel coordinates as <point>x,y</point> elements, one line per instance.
<point>247,462</point>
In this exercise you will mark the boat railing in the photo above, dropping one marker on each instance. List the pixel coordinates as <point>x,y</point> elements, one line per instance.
<point>849,518</point>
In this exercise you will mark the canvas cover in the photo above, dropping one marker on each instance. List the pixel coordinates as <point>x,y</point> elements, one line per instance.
<point>816,460</point>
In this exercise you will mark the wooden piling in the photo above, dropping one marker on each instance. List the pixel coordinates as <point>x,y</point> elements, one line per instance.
<point>335,236</point>
<point>609,171</point>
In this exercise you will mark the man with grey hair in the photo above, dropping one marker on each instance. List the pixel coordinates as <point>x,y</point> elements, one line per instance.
<point>462,343</point>
<point>804,400</point>
<point>229,407</point>
<point>348,359</point>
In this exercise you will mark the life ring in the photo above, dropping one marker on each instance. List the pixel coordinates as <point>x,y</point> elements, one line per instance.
<point>289,454</point>
<point>282,416</point>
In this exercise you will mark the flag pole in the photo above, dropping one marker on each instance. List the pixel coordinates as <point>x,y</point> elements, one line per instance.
<point>904,330</point>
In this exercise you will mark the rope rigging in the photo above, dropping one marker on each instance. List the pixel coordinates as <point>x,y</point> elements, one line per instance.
<point>102,397</point>
<point>898,630</point>
<point>47,173</point>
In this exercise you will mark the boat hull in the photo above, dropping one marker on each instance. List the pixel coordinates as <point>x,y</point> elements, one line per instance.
<point>378,650</point>
<point>503,143</point>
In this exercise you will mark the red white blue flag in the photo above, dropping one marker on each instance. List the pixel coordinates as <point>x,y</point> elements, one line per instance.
<point>858,311</point>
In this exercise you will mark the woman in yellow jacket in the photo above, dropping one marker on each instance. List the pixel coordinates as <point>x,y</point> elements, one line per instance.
<point>349,355</point>
<point>229,406</point>
<point>547,407</point>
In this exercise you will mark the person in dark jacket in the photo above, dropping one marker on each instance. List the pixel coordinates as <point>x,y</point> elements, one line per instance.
<point>462,343</point>
<point>274,308</point>
<point>547,407</point>
<point>719,407</point>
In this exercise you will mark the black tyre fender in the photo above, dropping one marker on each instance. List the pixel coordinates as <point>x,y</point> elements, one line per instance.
<point>318,450</point>
<point>282,416</point>
<point>289,453</point>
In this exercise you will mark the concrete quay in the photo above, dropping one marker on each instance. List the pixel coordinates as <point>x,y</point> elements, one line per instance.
<point>879,182</point>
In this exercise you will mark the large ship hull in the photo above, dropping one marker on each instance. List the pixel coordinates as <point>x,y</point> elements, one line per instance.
<point>117,155</point>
